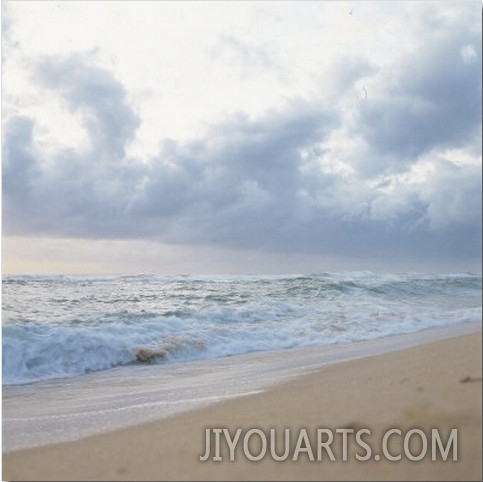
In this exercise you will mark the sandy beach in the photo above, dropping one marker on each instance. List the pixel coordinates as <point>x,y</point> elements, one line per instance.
<point>434,386</point>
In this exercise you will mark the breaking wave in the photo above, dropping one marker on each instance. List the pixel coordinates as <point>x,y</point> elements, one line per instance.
<point>57,326</point>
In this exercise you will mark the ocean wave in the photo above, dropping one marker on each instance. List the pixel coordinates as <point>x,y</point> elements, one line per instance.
<point>58,327</point>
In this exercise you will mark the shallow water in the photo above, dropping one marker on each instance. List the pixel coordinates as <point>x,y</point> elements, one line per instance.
<point>68,409</point>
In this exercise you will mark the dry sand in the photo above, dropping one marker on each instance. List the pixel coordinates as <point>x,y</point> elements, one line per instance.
<point>437,385</point>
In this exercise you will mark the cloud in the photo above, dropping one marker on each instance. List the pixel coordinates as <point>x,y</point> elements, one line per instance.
<point>429,99</point>
<point>345,73</point>
<point>239,185</point>
<point>99,100</point>
<point>250,57</point>
<point>19,170</point>
<point>454,196</point>
<point>345,175</point>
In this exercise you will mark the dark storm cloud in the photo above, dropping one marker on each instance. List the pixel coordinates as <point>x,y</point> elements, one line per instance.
<point>238,186</point>
<point>430,99</point>
<point>269,182</point>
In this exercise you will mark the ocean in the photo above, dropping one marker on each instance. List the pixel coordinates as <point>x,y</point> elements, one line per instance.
<point>57,327</point>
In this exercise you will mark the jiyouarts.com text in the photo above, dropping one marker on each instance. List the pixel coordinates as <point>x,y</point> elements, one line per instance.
<point>322,444</point>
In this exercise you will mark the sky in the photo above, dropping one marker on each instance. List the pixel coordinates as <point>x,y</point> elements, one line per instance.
<point>241,137</point>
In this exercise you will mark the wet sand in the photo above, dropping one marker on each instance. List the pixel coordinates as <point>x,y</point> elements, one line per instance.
<point>434,386</point>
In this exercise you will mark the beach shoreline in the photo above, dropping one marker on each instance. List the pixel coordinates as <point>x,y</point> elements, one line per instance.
<point>69,409</point>
<point>420,387</point>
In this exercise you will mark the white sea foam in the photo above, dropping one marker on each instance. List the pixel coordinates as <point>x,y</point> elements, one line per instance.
<point>66,326</point>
